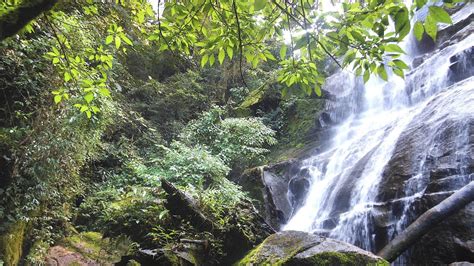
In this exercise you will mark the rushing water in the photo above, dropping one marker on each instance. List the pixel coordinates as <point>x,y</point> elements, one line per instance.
<point>345,176</point>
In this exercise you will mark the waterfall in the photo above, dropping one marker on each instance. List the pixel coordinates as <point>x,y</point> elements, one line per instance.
<point>345,176</point>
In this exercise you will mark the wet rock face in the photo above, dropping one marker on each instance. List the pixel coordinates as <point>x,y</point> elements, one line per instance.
<point>433,158</point>
<point>300,248</point>
<point>268,185</point>
<point>462,65</point>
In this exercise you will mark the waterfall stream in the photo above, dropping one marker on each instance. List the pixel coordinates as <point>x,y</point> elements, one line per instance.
<point>345,176</point>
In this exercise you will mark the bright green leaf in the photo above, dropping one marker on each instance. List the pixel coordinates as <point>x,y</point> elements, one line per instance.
<point>382,72</point>
<point>439,15</point>
<point>204,60</point>
<point>400,64</point>
<point>117,42</point>
<point>57,99</point>
<point>430,27</point>
<point>230,52</point>
<point>109,39</point>
<point>89,97</point>
<point>366,76</point>
<point>221,56</point>
<point>67,76</point>
<point>126,39</point>
<point>391,47</point>
<point>212,59</point>
<point>418,30</point>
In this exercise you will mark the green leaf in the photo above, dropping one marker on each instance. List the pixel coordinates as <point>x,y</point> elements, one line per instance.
<point>67,76</point>
<point>89,114</point>
<point>317,89</point>
<point>440,15</point>
<point>95,109</point>
<point>366,76</point>
<point>89,97</point>
<point>357,36</point>
<point>109,39</point>
<point>212,59</point>
<point>260,4</point>
<point>398,72</point>
<point>230,52</point>
<point>382,72</point>
<point>117,42</point>
<point>420,3</point>
<point>402,23</point>
<point>269,55</point>
<point>430,27</point>
<point>283,51</point>
<point>204,60</point>
<point>104,92</point>
<point>418,30</point>
<point>57,99</point>
<point>400,64</point>
<point>391,47</point>
<point>126,39</point>
<point>221,56</point>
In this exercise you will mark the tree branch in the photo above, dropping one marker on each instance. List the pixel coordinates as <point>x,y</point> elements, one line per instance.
<point>427,221</point>
<point>15,20</point>
<point>239,32</point>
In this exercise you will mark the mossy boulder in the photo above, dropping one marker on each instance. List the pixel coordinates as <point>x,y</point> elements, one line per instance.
<point>301,248</point>
<point>11,243</point>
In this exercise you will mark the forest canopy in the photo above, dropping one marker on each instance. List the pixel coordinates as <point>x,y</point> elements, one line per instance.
<point>300,35</point>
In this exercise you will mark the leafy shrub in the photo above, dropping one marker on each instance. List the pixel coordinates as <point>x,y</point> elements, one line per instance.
<point>219,201</point>
<point>132,210</point>
<point>194,166</point>
<point>238,141</point>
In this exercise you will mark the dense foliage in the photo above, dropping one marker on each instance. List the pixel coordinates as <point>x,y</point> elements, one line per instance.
<point>101,101</point>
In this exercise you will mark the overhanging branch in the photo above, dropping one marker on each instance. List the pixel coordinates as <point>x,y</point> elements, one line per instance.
<point>15,20</point>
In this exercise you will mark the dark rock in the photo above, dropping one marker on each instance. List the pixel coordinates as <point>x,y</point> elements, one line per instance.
<point>148,257</point>
<point>462,65</point>
<point>300,248</point>
<point>268,185</point>
<point>462,26</point>
<point>299,188</point>
<point>6,166</point>
<point>179,203</point>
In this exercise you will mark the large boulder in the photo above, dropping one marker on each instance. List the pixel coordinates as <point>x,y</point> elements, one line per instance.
<point>301,248</point>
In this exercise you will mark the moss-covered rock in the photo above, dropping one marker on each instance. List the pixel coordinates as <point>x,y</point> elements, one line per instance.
<point>89,248</point>
<point>11,243</point>
<point>300,248</point>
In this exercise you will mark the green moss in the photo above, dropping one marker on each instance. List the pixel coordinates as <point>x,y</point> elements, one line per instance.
<point>250,258</point>
<point>11,243</point>
<point>287,248</point>
<point>133,263</point>
<point>300,120</point>
<point>338,258</point>
<point>91,245</point>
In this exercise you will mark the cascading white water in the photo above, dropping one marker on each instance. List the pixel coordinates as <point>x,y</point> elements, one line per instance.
<point>345,177</point>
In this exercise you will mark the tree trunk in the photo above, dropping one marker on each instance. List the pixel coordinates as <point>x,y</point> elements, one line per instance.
<point>428,220</point>
<point>15,20</point>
